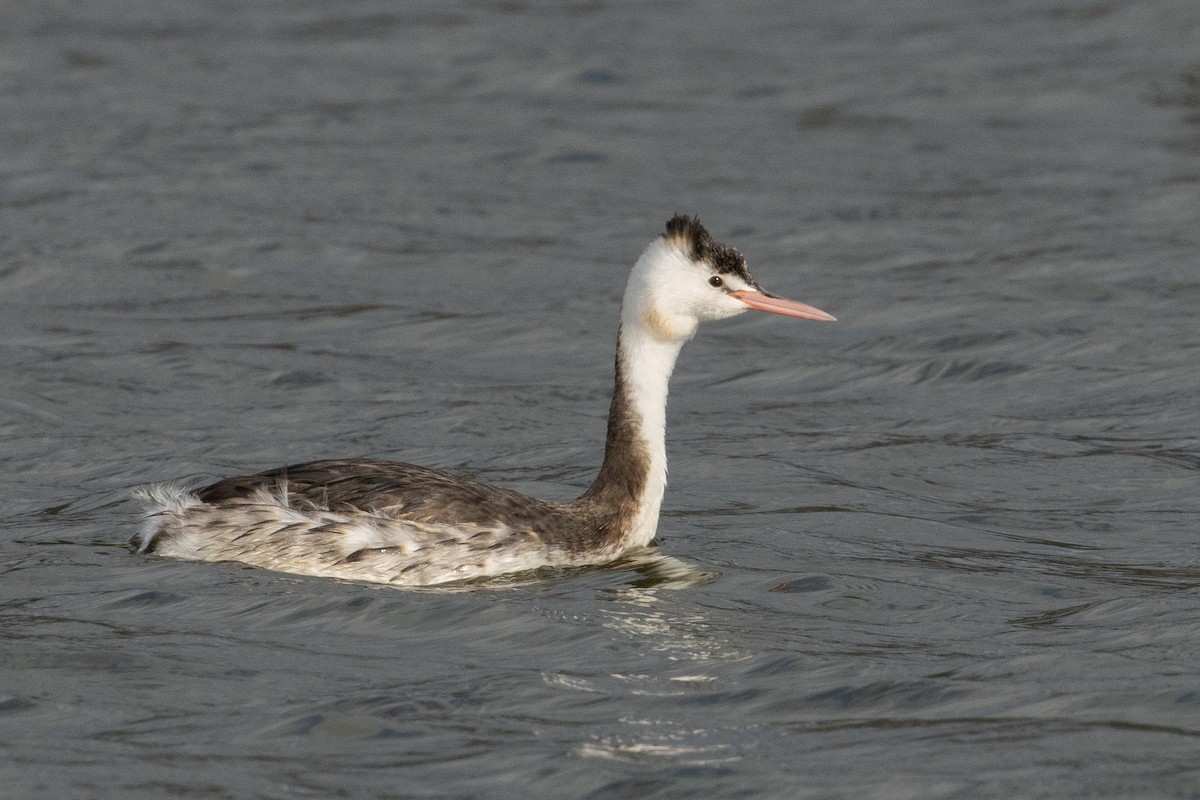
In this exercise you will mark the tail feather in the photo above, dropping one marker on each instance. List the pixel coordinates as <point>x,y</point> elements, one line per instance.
<point>161,499</point>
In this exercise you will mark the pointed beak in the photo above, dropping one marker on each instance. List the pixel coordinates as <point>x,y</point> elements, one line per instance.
<point>761,301</point>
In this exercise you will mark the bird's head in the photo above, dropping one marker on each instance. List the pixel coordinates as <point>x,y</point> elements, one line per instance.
<point>685,277</point>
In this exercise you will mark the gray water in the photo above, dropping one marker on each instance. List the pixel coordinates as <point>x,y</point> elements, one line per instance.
<point>944,548</point>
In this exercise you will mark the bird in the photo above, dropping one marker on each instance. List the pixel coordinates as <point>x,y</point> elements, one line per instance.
<point>367,519</point>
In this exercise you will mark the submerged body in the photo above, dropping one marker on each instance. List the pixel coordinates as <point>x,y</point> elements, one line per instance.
<point>358,520</point>
<point>383,521</point>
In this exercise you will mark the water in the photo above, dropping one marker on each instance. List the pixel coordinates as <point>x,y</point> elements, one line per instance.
<point>955,532</point>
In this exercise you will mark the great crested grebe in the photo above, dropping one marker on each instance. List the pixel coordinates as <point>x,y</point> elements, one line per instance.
<point>372,520</point>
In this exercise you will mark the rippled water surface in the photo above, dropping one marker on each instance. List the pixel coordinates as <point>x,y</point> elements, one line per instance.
<point>945,548</point>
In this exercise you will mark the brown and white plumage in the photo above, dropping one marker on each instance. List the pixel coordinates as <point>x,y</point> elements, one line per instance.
<point>384,521</point>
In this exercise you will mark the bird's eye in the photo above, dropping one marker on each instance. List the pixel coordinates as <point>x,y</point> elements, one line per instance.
<point>715,280</point>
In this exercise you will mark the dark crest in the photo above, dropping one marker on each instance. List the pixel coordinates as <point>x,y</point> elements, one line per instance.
<point>690,236</point>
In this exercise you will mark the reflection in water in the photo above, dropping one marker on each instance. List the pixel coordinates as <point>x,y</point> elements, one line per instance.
<point>639,613</point>
<point>677,650</point>
<point>656,570</point>
<point>660,571</point>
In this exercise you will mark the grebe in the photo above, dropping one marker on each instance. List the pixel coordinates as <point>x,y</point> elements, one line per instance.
<point>372,520</point>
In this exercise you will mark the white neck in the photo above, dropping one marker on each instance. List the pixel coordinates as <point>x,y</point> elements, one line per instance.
<point>646,363</point>
<point>630,486</point>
